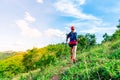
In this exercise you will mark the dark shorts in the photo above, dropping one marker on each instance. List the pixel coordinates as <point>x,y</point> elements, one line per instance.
<point>71,45</point>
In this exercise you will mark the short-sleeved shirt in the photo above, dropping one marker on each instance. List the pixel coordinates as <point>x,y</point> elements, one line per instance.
<point>73,37</point>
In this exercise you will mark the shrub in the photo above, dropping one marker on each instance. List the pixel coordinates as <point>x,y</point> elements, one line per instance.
<point>101,73</point>
<point>115,55</point>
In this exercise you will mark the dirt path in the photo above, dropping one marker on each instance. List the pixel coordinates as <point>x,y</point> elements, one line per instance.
<point>60,71</point>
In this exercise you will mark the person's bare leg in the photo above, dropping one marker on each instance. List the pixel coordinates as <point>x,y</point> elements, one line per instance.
<point>74,53</point>
<point>71,52</point>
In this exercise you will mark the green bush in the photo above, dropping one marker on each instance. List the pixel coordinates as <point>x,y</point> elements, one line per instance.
<point>100,74</point>
<point>115,46</point>
<point>10,68</point>
<point>115,55</point>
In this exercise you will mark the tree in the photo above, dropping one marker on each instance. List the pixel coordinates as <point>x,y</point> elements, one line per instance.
<point>118,26</point>
<point>86,41</point>
<point>116,35</point>
<point>82,42</point>
<point>91,39</point>
<point>106,37</point>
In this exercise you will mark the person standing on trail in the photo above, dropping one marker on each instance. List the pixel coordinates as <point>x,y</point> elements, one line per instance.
<point>72,43</point>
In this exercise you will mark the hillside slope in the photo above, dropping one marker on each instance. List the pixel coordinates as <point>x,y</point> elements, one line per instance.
<point>101,62</point>
<point>23,62</point>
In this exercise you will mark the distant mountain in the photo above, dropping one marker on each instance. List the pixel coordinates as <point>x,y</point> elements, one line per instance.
<point>9,51</point>
<point>6,54</point>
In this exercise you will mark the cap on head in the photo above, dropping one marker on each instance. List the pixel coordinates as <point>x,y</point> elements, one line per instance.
<point>72,28</point>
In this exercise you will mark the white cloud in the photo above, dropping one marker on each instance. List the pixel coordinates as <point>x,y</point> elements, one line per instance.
<point>99,32</point>
<point>10,47</point>
<point>109,30</point>
<point>28,17</point>
<point>43,38</point>
<point>71,9</point>
<point>53,36</point>
<point>54,33</point>
<point>113,10</point>
<point>40,1</point>
<point>81,2</point>
<point>24,25</point>
<point>93,26</point>
<point>19,42</point>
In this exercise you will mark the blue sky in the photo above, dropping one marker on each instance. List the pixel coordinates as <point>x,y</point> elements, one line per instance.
<point>25,24</point>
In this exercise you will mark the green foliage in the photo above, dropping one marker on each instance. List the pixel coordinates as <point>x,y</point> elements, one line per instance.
<point>82,42</point>
<point>116,35</point>
<point>30,58</point>
<point>115,55</point>
<point>101,73</point>
<point>86,41</point>
<point>11,66</point>
<point>45,61</point>
<point>93,68</point>
<point>107,37</point>
<point>101,62</point>
<point>91,40</point>
<point>115,46</point>
<point>118,26</point>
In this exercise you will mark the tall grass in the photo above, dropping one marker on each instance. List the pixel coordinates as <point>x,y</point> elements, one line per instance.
<point>101,62</point>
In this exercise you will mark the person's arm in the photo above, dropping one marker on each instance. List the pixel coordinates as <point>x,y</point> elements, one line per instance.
<point>77,37</point>
<point>67,36</point>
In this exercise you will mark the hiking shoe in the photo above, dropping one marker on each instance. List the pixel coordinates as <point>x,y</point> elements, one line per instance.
<point>74,62</point>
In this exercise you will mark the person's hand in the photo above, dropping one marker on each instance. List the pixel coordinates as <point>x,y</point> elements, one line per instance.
<point>66,40</point>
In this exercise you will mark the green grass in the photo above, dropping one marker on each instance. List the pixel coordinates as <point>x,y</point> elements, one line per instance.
<point>99,63</point>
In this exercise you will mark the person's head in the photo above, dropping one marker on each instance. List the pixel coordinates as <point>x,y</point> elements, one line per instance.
<point>72,28</point>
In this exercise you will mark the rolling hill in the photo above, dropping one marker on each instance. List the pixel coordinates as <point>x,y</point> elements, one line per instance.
<point>99,62</point>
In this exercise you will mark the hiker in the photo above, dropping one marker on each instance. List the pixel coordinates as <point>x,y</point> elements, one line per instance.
<point>72,43</point>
